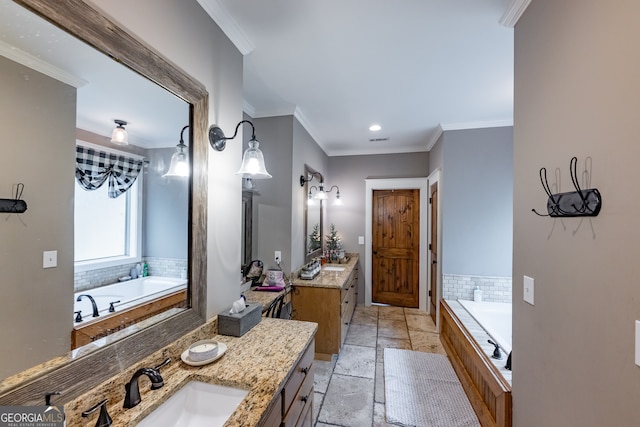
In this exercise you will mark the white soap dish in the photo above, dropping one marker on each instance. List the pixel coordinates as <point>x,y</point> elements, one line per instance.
<point>203,352</point>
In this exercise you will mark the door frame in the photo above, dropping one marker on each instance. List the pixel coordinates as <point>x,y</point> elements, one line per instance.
<point>400,184</point>
<point>434,178</point>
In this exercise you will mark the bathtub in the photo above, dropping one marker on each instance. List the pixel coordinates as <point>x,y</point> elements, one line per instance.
<point>130,293</point>
<point>494,317</point>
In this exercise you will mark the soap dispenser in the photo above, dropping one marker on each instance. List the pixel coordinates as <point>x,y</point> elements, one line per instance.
<point>477,294</point>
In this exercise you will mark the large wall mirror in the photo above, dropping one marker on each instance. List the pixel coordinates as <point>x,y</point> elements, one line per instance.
<point>312,214</point>
<point>69,94</point>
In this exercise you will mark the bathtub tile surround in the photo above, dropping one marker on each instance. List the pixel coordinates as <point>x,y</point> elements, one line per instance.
<point>494,289</point>
<point>90,279</point>
<point>276,343</point>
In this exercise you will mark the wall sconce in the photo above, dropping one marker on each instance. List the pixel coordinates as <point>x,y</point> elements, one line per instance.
<point>119,134</point>
<point>252,161</point>
<point>179,166</point>
<point>338,200</point>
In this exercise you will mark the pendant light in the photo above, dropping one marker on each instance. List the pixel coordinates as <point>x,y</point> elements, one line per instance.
<point>119,134</point>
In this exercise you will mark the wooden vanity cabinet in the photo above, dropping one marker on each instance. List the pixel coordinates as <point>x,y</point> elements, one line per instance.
<point>331,308</point>
<point>293,406</point>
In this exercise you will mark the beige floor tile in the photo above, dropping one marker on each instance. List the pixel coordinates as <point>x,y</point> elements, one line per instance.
<point>426,342</point>
<point>379,390</point>
<point>392,328</point>
<point>379,416</point>
<point>420,323</point>
<point>348,402</point>
<point>365,317</point>
<point>387,312</point>
<point>364,335</point>
<point>356,361</point>
<point>415,311</point>
<point>384,342</point>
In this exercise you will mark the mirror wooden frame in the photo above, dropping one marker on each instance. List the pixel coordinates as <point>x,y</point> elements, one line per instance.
<point>309,175</point>
<point>75,376</point>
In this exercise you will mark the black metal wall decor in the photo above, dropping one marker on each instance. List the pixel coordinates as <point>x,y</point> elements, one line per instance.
<point>15,205</point>
<point>574,203</point>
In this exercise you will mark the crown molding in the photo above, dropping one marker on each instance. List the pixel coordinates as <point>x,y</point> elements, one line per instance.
<point>514,12</point>
<point>476,125</point>
<point>434,139</point>
<point>227,24</point>
<point>35,63</point>
<point>248,109</point>
<point>302,119</point>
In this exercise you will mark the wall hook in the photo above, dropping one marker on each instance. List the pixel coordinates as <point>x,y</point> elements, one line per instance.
<point>574,203</point>
<point>15,205</point>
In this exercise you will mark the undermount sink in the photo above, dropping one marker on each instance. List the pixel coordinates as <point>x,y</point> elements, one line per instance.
<point>196,404</point>
<point>332,268</point>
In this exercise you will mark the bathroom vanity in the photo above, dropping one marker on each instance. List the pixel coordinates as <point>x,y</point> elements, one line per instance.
<point>273,362</point>
<point>328,300</point>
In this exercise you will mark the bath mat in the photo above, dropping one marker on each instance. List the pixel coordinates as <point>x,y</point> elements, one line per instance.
<point>422,390</point>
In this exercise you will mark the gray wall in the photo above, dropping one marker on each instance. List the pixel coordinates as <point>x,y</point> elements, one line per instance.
<point>576,87</point>
<point>349,173</point>
<point>476,202</point>
<point>38,150</point>
<point>166,209</point>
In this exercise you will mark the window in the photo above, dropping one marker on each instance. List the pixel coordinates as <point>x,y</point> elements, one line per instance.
<point>107,231</point>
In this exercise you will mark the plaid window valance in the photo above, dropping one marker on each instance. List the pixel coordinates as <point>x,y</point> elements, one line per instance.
<point>93,168</point>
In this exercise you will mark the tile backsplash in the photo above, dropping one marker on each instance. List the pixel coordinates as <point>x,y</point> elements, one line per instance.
<point>494,289</point>
<point>166,267</point>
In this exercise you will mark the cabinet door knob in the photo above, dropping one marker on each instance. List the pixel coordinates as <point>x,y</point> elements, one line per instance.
<point>305,370</point>
<point>304,398</point>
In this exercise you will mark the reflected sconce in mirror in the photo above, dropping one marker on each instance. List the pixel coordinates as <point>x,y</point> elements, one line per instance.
<point>119,134</point>
<point>252,161</point>
<point>179,166</point>
<point>321,194</point>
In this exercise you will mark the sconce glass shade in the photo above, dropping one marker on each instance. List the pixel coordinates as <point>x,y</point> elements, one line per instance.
<point>179,166</point>
<point>338,201</point>
<point>321,194</point>
<point>119,134</point>
<point>253,163</point>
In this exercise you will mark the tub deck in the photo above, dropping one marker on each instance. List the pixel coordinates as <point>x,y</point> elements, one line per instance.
<point>487,389</point>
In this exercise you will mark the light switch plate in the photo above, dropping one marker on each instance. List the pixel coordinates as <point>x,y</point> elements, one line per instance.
<point>638,342</point>
<point>49,259</point>
<point>528,289</point>
<point>361,240</point>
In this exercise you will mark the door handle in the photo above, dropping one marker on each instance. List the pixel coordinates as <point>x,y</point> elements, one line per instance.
<point>375,252</point>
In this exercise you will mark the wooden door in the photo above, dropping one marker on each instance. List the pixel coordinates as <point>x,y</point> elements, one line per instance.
<point>433,248</point>
<point>395,247</point>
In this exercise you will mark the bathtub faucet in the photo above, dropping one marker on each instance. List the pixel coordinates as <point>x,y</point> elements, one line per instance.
<point>496,351</point>
<point>93,303</point>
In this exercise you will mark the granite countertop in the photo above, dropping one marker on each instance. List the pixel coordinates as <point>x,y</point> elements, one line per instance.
<point>260,361</point>
<point>328,278</point>
<point>263,297</point>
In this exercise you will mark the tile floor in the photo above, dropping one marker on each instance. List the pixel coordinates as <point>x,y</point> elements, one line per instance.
<point>349,390</point>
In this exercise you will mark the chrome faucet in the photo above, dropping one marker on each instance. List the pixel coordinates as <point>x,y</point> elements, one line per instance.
<point>132,397</point>
<point>93,303</point>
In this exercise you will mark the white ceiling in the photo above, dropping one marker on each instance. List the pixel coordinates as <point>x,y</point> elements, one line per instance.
<point>415,67</point>
<point>106,90</point>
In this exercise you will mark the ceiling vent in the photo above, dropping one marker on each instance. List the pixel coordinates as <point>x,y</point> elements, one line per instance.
<point>378,139</point>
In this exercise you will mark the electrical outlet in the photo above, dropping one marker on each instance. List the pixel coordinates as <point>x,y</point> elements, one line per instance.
<point>278,257</point>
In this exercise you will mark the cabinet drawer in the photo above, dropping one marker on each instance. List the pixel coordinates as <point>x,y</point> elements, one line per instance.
<point>303,370</point>
<point>306,419</point>
<point>301,401</point>
<point>274,419</point>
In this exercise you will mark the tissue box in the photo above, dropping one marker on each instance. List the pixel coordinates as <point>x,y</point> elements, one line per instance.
<point>238,324</point>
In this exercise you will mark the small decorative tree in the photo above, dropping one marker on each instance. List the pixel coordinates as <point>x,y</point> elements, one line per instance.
<point>334,242</point>
<point>314,238</point>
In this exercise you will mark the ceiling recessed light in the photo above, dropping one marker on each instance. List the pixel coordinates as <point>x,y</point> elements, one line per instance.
<point>375,128</point>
